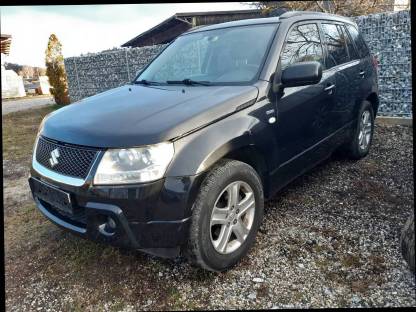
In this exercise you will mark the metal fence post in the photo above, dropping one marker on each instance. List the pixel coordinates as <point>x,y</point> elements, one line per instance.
<point>76,73</point>
<point>128,69</point>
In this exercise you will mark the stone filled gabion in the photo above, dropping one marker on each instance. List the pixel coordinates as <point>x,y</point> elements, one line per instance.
<point>387,35</point>
<point>97,72</point>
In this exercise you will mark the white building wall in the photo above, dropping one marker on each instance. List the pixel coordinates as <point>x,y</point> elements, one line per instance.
<point>11,83</point>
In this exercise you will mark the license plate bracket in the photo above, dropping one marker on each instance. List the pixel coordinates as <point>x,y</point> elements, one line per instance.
<point>57,198</point>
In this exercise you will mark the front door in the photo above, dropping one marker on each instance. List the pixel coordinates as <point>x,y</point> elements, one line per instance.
<point>303,112</point>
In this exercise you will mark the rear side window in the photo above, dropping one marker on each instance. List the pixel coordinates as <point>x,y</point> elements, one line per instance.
<point>359,41</point>
<point>337,50</point>
<point>351,49</point>
<point>303,44</point>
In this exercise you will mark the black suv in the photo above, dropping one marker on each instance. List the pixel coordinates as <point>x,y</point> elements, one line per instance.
<point>181,159</point>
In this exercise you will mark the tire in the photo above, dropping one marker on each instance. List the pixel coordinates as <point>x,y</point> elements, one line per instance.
<point>202,249</point>
<point>352,148</point>
<point>407,242</point>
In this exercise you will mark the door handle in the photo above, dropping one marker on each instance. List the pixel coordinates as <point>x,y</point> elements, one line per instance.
<point>361,74</point>
<point>329,88</point>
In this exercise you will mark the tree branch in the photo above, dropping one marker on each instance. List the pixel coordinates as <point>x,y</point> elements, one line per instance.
<point>320,7</point>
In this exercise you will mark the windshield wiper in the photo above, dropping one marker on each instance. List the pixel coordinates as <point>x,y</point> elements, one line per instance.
<point>189,82</point>
<point>145,82</point>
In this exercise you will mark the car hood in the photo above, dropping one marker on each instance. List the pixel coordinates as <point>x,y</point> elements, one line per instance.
<point>135,115</point>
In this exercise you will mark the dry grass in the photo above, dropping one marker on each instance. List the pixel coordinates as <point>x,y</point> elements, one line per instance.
<point>19,133</point>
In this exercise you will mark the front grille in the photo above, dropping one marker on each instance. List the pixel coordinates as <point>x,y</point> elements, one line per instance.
<point>72,161</point>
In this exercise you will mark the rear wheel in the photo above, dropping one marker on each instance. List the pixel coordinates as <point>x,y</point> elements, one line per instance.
<point>362,133</point>
<point>226,216</point>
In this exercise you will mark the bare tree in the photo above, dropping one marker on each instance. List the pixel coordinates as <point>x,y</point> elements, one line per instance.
<point>39,71</point>
<point>26,71</point>
<point>341,7</point>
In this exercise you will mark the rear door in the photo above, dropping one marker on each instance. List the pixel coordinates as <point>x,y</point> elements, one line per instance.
<point>345,66</point>
<point>366,69</point>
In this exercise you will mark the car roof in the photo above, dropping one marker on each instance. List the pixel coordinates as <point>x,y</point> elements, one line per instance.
<point>290,16</point>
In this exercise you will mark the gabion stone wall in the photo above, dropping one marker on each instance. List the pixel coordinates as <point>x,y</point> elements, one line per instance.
<point>387,35</point>
<point>97,72</point>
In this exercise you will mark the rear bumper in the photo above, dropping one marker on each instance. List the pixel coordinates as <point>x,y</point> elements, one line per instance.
<point>152,217</point>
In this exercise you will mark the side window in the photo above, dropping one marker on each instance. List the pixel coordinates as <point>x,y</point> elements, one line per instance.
<point>337,50</point>
<point>363,50</point>
<point>351,49</point>
<point>302,45</point>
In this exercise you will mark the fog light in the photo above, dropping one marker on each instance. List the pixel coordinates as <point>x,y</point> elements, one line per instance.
<point>108,228</point>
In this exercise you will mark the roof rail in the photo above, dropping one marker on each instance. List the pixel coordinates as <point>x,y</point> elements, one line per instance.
<point>290,14</point>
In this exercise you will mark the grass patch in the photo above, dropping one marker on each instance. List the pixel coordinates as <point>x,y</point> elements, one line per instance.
<point>174,298</point>
<point>26,226</point>
<point>19,133</point>
<point>77,306</point>
<point>323,264</point>
<point>351,261</point>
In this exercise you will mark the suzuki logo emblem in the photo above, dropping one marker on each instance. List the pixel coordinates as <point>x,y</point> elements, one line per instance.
<point>54,157</point>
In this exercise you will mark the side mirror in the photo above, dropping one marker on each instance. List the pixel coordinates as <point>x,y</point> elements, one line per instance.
<point>301,74</point>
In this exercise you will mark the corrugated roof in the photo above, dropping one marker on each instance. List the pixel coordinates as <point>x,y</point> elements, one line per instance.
<point>189,14</point>
<point>6,40</point>
<point>177,20</point>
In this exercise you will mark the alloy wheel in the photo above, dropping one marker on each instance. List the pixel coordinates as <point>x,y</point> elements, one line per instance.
<point>232,217</point>
<point>364,134</point>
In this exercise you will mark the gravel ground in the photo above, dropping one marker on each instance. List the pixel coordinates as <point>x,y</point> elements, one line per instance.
<point>26,103</point>
<point>329,239</point>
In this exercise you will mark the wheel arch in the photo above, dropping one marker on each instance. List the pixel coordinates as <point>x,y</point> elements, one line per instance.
<point>236,149</point>
<point>252,156</point>
<point>374,100</point>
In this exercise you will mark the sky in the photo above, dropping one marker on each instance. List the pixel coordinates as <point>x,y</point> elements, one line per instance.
<point>86,28</point>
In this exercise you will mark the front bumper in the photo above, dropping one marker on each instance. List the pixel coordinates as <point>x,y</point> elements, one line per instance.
<point>152,217</point>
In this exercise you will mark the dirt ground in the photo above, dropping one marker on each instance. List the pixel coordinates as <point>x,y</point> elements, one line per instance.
<point>329,239</point>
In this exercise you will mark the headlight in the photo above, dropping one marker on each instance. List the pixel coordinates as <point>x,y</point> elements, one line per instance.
<point>134,165</point>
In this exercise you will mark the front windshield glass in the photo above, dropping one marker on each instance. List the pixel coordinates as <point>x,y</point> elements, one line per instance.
<point>219,56</point>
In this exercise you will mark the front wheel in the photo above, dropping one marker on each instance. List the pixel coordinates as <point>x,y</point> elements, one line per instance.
<point>226,216</point>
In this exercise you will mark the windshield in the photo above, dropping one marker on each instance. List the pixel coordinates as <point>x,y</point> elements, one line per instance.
<point>219,56</point>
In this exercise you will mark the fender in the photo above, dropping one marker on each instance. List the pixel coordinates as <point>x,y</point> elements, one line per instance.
<point>372,97</point>
<point>368,90</point>
<point>198,151</point>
